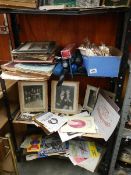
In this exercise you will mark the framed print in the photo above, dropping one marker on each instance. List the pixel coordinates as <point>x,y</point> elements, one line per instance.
<point>33,96</point>
<point>64,99</point>
<point>90,98</point>
<point>110,94</point>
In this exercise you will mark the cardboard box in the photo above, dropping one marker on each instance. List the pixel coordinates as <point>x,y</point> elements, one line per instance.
<point>103,66</point>
<point>117,2</point>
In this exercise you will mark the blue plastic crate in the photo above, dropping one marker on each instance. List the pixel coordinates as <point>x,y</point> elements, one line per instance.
<point>102,66</point>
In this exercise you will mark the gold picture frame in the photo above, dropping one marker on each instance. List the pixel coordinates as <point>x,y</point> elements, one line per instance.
<point>33,96</point>
<point>64,99</point>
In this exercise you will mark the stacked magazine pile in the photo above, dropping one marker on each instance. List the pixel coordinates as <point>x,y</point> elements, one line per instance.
<point>68,127</point>
<point>31,60</point>
<point>83,153</point>
<point>50,122</point>
<point>35,52</point>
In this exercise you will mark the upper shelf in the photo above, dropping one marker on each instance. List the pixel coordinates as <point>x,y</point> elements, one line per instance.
<point>68,11</point>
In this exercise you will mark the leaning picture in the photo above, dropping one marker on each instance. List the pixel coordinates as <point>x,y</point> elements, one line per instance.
<point>64,99</point>
<point>33,96</point>
<point>90,98</point>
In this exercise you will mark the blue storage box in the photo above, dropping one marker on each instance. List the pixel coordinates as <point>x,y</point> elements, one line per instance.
<point>103,66</point>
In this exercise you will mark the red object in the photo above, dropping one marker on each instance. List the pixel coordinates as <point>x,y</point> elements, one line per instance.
<point>76,123</point>
<point>68,51</point>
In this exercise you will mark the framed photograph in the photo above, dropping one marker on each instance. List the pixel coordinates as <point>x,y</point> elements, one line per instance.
<point>110,94</point>
<point>90,98</point>
<point>33,96</point>
<point>64,99</point>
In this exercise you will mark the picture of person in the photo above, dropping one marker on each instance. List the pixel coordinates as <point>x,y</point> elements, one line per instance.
<point>64,97</point>
<point>33,96</point>
<point>92,99</point>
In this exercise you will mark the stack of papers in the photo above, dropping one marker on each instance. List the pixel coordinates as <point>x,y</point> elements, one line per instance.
<point>77,125</point>
<point>84,154</point>
<point>33,72</point>
<point>50,122</point>
<point>81,153</point>
<point>38,146</point>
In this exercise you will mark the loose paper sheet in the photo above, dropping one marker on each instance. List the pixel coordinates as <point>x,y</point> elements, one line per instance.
<point>51,121</point>
<point>65,136</point>
<point>106,118</point>
<point>80,124</point>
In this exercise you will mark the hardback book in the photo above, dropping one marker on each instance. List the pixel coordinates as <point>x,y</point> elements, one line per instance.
<point>44,47</point>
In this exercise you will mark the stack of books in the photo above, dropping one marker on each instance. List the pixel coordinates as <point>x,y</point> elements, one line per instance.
<point>35,52</point>
<point>32,60</point>
<point>19,3</point>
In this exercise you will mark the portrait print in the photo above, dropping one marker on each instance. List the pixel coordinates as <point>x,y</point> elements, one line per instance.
<point>90,98</point>
<point>64,99</point>
<point>33,96</point>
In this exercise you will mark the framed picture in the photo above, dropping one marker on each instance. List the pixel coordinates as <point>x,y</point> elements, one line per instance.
<point>64,99</point>
<point>90,98</point>
<point>110,94</point>
<point>33,96</point>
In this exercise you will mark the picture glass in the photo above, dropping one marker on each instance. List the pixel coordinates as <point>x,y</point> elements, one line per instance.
<point>33,96</point>
<point>92,99</point>
<point>64,97</point>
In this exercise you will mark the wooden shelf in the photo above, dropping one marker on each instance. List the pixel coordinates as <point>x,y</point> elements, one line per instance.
<point>67,11</point>
<point>3,115</point>
<point>9,84</point>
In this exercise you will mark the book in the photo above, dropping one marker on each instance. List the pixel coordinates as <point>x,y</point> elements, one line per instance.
<point>35,143</point>
<point>35,68</point>
<point>44,47</point>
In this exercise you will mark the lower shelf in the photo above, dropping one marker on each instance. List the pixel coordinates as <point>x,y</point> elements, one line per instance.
<point>51,166</point>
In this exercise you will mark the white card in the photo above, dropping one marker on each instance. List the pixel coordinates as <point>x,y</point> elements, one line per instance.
<point>106,118</point>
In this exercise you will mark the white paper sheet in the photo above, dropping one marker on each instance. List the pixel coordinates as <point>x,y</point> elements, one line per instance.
<point>68,136</point>
<point>90,164</point>
<point>80,124</point>
<point>51,121</point>
<point>106,118</point>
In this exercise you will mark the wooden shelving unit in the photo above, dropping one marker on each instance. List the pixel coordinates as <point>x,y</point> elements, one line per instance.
<point>3,113</point>
<point>62,23</point>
